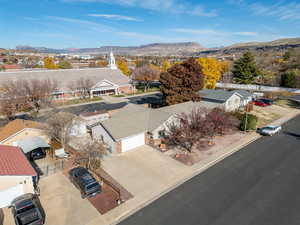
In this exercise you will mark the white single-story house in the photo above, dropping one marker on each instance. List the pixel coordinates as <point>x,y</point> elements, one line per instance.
<point>17,176</point>
<point>231,101</point>
<point>247,97</point>
<point>128,128</point>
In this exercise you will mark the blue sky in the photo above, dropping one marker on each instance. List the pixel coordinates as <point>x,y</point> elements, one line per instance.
<point>94,23</point>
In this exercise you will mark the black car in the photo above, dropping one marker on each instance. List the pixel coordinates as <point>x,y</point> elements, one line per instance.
<point>27,210</point>
<point>266,101</point>
<point>36,154</point>
<point>84,180</point>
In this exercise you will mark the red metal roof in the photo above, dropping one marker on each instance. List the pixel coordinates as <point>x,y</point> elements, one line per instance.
<point>14,162</point>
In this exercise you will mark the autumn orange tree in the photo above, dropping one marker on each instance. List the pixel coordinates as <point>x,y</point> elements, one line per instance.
<point>122,65</point>
<point>182,82</point>
<point>212,70</point>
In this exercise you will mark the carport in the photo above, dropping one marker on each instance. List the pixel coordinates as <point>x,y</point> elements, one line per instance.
<point>31,143</point>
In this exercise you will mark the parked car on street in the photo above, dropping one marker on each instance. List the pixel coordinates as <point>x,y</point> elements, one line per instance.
<point>260,103</point>
<point>269,130</point>
<point>85,182</point>
<point>27,210</point>
<point>267,101</point>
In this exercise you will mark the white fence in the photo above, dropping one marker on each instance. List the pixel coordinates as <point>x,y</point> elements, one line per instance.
<point>252,87</point>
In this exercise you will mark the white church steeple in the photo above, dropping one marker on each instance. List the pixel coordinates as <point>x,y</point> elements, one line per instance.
<point>112,61</point>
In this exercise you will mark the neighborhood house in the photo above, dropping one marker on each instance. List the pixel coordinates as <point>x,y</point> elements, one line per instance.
<point>134,125</point>
<point>19,129</point>
<point>129,127</point>
<point>17,176</point>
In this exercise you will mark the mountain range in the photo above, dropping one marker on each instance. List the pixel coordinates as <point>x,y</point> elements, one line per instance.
<point>173,49</point>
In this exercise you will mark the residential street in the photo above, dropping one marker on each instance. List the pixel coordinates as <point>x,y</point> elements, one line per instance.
<point>259,185</point>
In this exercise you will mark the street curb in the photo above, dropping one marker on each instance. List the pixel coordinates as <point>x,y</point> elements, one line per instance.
<point>197,172</point>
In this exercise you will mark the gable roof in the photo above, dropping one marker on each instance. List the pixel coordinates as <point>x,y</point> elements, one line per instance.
<point>243,93</point>
<point>66,76</point>
<point>217,95</point>
<point>17,125</point>
<point>134,119</point>
<point>13,162</point>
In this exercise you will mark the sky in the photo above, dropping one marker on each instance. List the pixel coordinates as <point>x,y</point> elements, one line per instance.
<point>95,23</point>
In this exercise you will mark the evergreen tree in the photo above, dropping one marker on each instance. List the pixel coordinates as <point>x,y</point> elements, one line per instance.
<point>290,79</point>
<point>245,70</point>
<point>182,82</point>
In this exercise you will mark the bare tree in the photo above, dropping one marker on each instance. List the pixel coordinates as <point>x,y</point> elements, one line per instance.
<point>145,74</point>
<point>188,129</point>
<point>84,86</point>
<point>35,93</point>
<point>59,126</point>
<point>91,155</point>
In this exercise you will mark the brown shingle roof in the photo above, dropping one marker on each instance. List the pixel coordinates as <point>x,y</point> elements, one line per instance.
<point>13,162</point>
<point>17,125</point>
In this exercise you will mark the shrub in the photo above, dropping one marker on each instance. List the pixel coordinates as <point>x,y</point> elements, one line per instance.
<point>251,122</point>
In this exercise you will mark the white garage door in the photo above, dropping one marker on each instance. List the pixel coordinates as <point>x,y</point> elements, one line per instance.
<point>133,142</point>
<point>6,196</point>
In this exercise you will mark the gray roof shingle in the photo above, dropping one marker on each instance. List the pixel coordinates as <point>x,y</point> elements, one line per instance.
<point>134,119</point>
<point>66,76</point>
<point>216,95</point>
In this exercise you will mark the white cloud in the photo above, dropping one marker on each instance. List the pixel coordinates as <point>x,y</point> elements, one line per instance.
<point>246,33</point>
<point>213,32</point>
<point>84,23</point>
<point>172,6</point>
<point>116,17</point>
<point>283,10</point>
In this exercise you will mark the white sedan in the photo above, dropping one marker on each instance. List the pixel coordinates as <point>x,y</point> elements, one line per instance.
<point>269,130</point>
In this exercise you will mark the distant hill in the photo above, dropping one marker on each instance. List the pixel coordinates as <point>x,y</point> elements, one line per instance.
<point>280,44</point>
<point>156,49</point>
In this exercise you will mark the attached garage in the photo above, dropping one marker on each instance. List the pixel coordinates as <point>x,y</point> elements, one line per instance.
<point>9,194</point>
<point>133,142</point>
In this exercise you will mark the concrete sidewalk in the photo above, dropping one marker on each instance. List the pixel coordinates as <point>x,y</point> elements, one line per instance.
<point>149,174</point>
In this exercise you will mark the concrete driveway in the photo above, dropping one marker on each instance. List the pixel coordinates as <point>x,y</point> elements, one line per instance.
<point>62,203</point>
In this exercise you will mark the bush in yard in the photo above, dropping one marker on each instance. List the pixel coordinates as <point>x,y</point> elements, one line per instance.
<point>248,122</point>
<point>221,121</point>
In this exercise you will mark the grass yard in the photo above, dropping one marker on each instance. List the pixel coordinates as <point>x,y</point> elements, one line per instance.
<point>79,101</point>
<point>267,115</point>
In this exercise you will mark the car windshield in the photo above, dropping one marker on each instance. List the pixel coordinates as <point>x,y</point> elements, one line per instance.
<point>90,186</point>
<point>25,208</point>
<point>269,128</point>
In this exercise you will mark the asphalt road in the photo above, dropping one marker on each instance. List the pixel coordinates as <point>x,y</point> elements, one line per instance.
<point>259,185</point>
